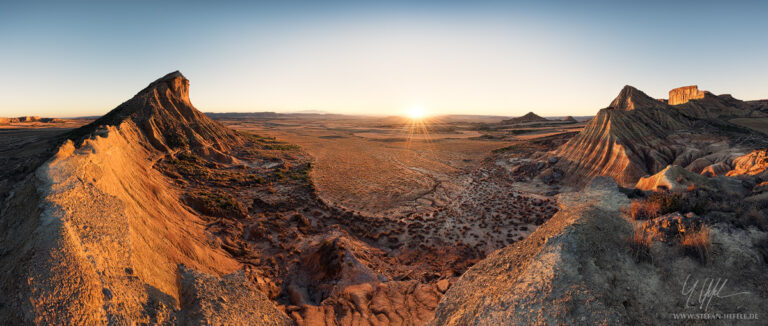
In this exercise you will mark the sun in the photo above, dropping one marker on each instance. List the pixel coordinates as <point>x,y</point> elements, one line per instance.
<point>416,112</point>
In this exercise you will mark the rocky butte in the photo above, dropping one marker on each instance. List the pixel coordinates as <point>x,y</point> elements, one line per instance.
<point>684,94</point>
<point>637,135</point>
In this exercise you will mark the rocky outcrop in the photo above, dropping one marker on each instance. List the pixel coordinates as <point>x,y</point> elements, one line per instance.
<point>623,141</point>
<point>528,117</point>
<point>753,163</point>
<point>578,268</point>
<point>638,135</point>
<point>570,119</point>
<point>227,300</point>
<point>672,178</point>
<point>684,94</point>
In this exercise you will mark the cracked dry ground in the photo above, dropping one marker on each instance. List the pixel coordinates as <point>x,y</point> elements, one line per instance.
<point>330,265</point>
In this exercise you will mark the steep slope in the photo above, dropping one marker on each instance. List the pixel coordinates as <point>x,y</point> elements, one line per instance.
<point>638,135</point>
<point>578,268</point>
<point>631,98</point>
<point>623,141</point>
<point>97,233</point>
<point>164,115</point>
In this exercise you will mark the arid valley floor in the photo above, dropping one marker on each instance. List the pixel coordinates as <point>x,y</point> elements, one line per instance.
<point>157,213</point>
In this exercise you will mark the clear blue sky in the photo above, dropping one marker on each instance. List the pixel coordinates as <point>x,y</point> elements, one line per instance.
<point>506,58</point>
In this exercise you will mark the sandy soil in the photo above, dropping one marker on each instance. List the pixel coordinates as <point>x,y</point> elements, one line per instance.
<point>379,170</point>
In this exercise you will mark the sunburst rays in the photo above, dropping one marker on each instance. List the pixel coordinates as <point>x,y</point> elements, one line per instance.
<point>420,130</point>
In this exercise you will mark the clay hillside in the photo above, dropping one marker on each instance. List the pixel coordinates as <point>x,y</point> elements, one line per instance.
<point>528,117</point>
<point>102,236</point>
<point>638,135</point>
<point>156,214</point>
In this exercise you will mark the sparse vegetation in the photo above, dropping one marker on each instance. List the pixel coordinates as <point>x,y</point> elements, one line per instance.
<point>697,244</point>
<point>217,203</point>
<point>188,164</point>
<point>665,202</point>
<point>640,245</point>
<point>175,140</point>
<point>269,143</point>
<point>644,209</point>
<point>280,147</point>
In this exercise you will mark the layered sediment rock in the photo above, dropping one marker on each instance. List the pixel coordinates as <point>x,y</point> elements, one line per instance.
<point>684,94</point>
<point>638,135</point>
<point>755,162</point>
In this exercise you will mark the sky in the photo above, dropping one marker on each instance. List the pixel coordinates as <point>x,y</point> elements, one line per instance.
<point>556,58</point>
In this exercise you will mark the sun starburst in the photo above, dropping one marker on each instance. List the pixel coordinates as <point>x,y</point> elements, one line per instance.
<point>416,113</point>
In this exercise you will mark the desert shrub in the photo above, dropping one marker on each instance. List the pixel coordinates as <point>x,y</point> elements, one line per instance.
<point>188,164</point>
<point>696,244</point>
<point>280,147</point>
<point>268,143</point>
<point>667,202</point>
<point>217,203</point>
<point>175,140</point>
<point>301,173</point>
<point>640,244</point>
<point>256,138</point>
<point>644,209</point>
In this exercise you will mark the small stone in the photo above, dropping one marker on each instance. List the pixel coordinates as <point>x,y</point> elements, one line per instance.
<point>443,285</point>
